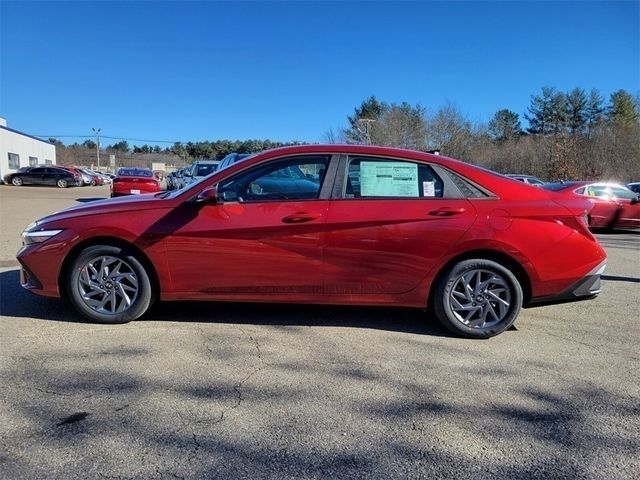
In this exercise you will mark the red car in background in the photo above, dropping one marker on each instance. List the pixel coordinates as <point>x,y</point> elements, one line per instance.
<point>95,178</point>
<point>614,206</point>
<point>85,179</point>
<point>134,181</point>
<point>324,224</point>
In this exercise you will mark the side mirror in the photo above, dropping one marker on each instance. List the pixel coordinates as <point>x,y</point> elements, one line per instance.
<point>209,196</point>
<point>635,200</point>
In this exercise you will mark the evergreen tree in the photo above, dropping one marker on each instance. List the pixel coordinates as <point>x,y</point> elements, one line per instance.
<point>540,112</point>
<point>577,110</point>
<point>369,110</point>
<point>559,113</point>
<point>623,110</point>
<point>594,112</point>
<point>121,146</point>
<point>504,125</point>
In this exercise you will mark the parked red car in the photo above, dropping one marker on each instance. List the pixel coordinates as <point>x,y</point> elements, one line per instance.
<point>134,181</point>
<point>614,206</point>
<point>95,178</point>
<point>85,179</point>
<point>327,224</point>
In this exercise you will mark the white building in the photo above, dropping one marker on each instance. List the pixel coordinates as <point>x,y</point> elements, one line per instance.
<point>19,149</point>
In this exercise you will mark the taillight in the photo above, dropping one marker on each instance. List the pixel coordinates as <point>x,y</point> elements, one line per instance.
<point>579,223</point>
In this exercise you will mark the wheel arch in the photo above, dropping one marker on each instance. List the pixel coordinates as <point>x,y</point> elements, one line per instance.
<point>487,254</point>
<point>111,242</point>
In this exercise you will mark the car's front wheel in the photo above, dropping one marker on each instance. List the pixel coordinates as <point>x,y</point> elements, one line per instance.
<point>17,181</point>
<point>477,298</point>
<point>62,183</point>
<point>108,284</point>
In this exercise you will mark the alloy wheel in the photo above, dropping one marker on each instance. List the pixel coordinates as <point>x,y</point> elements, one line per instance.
<point>480,298</point>
<point>108,285</point>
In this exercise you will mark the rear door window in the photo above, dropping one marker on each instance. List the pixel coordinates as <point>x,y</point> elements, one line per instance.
<point>619,192</point>
<point>390,178</point>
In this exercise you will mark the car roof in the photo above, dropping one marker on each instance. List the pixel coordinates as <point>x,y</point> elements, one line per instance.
<point>498,184</point>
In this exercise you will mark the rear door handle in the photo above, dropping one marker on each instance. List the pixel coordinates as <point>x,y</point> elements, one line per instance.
<point>300,217</point>
<point>446,212</point>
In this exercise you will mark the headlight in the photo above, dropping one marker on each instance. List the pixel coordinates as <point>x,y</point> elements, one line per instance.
<point>38,236</point>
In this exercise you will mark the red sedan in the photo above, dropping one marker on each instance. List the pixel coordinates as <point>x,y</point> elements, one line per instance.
<point>334,224</point>
<point>134,181</point>
<point>614,206</point>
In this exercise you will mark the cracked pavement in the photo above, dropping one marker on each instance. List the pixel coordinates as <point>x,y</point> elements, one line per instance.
<point>210,390</point>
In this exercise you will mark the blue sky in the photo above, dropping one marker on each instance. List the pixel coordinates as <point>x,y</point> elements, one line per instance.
<point>292,70</point>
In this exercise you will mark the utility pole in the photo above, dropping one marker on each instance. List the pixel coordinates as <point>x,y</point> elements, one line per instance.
<point>366,122</point>
<point>97,132</point>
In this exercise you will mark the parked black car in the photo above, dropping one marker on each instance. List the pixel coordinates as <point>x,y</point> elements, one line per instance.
<point>43,176</point>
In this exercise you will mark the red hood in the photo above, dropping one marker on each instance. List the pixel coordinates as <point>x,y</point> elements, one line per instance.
<point>129,203</point>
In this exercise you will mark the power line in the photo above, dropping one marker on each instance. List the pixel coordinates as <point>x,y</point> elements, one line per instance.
<point>140,140</point>
<point>110,138</point>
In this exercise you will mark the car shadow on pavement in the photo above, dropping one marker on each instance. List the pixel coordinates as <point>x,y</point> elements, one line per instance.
<point>615,231</point>
<point>17,302</point>
<point>90,199</point>
<point>617,278</point>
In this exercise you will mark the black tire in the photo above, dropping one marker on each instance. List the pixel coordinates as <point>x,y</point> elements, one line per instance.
<point>62,183</point>
<point>16,181</point>
<point>143,299</point>
<point>453,279</point>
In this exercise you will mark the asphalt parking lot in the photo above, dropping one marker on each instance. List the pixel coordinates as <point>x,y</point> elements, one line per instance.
<point>238,391</point>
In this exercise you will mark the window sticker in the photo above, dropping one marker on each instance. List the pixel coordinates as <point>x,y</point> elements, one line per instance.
<point>428,189</point>
<point>388,179</point>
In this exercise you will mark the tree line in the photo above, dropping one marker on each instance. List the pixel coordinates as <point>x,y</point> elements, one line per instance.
<point>188,151</point>
<point>570,135</point>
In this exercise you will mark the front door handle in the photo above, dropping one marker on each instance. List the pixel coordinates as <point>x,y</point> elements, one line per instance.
<point>300,217</point>
<point>446,212</point>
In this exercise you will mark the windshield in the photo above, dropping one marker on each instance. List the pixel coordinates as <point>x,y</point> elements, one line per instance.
<point>193,185</point>
<point>134,172</point>
<point>205,170</point>
<point>554,187</point>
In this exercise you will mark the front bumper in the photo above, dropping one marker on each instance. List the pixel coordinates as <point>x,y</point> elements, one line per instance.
<point>41,263</point>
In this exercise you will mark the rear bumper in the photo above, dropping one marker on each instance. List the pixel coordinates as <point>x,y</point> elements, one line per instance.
<point>587,287</point>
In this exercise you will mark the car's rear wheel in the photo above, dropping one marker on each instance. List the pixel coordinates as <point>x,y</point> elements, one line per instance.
<point>107,284</point>
<point>62,183</point>
<point>17,181</point>
<point>477,298</point>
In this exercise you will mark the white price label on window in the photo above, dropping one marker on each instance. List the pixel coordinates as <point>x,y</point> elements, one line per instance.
<point>428,189</point>
<point>388,179</point>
